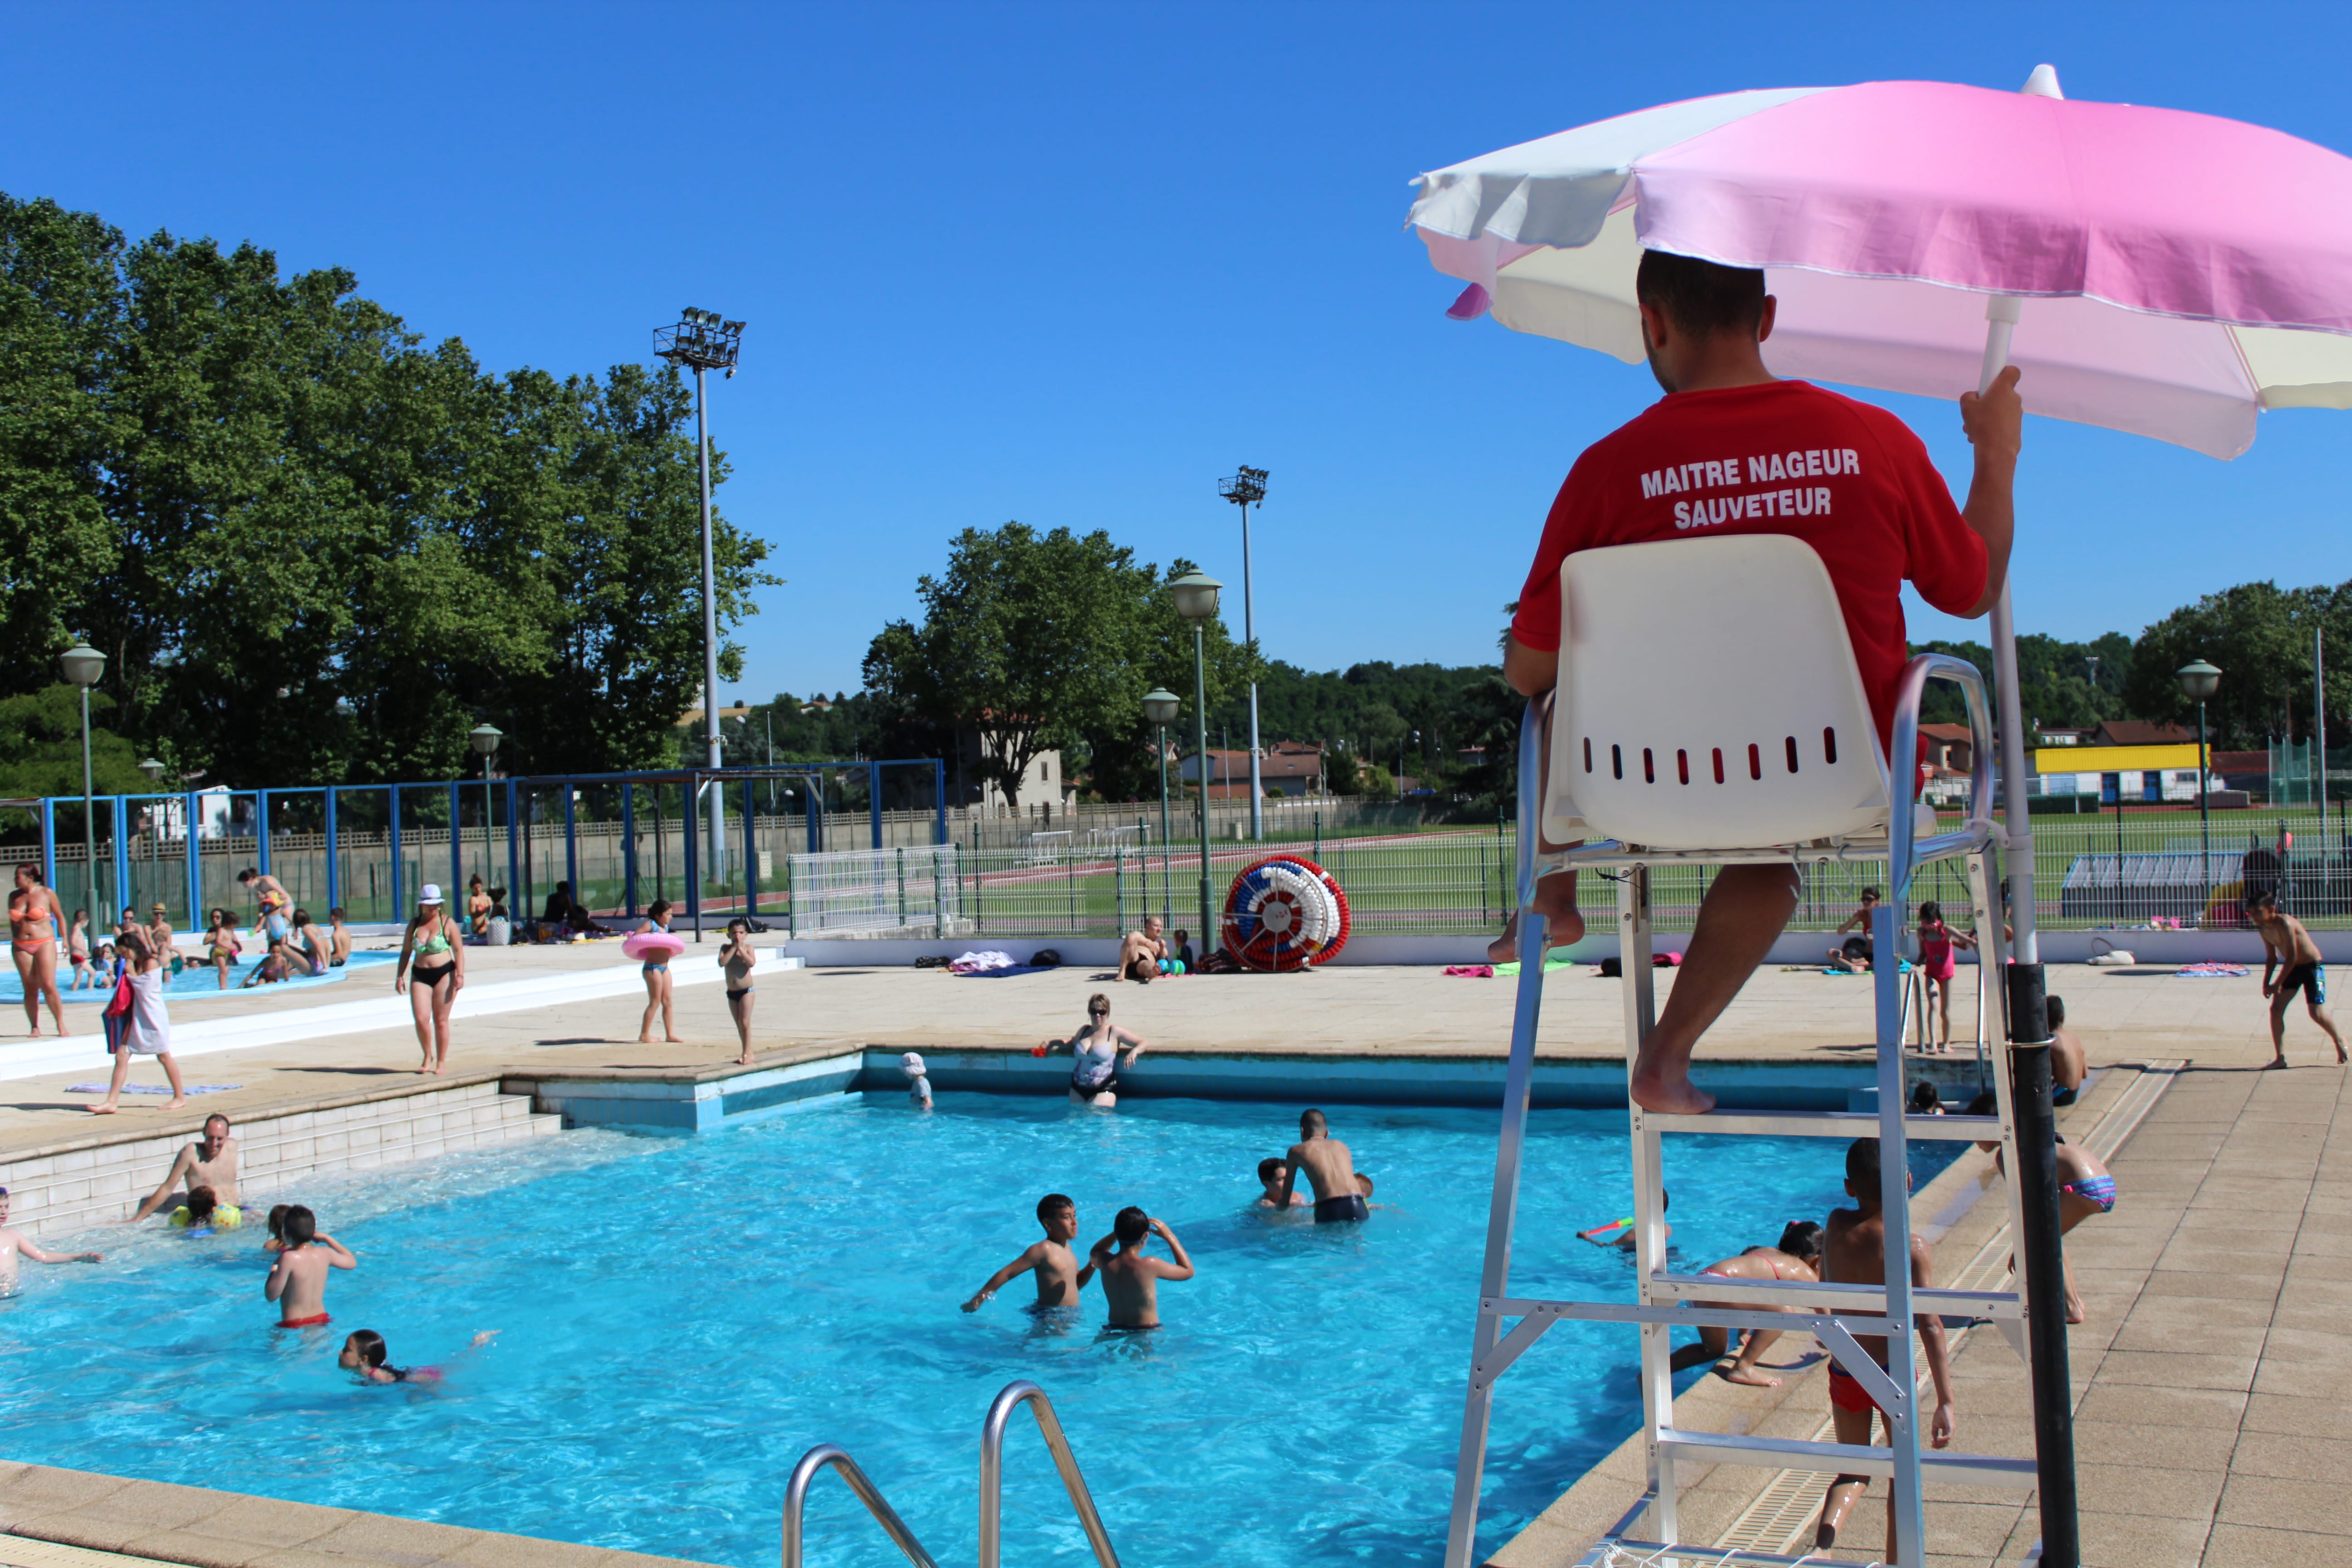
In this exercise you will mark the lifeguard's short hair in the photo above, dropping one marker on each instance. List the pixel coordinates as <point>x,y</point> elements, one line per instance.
<point>1701,298</point>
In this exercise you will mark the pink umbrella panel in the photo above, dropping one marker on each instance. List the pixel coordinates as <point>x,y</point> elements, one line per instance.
<point>2174,273</point>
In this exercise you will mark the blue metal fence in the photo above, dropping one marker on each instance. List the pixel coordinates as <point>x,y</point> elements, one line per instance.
<point>370,847</point>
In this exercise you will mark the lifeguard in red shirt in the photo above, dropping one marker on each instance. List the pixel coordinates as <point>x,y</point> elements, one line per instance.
<point>1733,449</point>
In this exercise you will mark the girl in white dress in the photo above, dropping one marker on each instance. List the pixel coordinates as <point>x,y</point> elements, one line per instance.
<point>146,1029</point>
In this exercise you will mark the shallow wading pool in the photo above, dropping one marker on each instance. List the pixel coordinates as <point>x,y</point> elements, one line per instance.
<point>682,1318</point>
<point>195,981</point>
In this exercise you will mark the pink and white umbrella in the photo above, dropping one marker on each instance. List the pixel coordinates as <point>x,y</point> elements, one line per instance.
<point>2172,274</point>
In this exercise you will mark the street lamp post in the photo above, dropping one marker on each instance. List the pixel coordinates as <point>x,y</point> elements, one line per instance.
<point>1196,600</point>
<point>2199,680</point>
<point>82,664</point>
<point>700,340</point>
<point>1244,490</point>
<point>153,769</point>
<point>485,745</point>
<point>1161,705</point>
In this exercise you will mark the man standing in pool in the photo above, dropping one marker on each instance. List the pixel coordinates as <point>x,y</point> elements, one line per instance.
<point>1131,1277</point>
<point>297,1279</point>
<point>1870,504</point>
<point>1330,1170</point>
<point>211,1161</point>
<point>1060,1276</point>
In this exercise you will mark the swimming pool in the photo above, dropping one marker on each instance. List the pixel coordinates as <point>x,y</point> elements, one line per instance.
<point>684,1316</point>
<point>195,981</point>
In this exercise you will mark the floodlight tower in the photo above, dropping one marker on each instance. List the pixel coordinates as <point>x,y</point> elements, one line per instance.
<point>1244,490</point>
<point>706,343</point>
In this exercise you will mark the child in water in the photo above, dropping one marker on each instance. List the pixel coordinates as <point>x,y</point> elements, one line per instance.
<point>77,953</point>
<point>203,1213</point>
<point>364,1351</point>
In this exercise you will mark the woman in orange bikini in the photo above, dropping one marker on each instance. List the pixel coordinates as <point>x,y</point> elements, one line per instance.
<point>35,924</point>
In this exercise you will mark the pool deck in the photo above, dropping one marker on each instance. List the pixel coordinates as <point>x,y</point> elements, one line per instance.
<point>2211,1384</point>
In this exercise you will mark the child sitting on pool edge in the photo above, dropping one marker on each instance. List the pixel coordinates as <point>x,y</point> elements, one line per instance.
<point>364,1351</point>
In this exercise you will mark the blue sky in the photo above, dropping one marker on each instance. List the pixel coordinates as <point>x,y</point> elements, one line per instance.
<point>1072,264</point>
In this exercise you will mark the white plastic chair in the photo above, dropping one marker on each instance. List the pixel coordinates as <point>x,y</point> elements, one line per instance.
<point>1708,698</point>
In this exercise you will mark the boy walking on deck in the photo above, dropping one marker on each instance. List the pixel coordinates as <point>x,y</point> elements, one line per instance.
<point>1708,458</point>
<point>1854,1252</point>
<point>2286,945</point>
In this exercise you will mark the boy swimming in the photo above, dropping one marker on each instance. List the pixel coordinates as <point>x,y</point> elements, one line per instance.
<point>14,1246</point>
<point>1330,1170</point>
<point>1060,1276</point>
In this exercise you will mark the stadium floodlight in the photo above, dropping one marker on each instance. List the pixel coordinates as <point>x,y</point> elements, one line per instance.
<point>702,343</point>
<point>1246,490</point>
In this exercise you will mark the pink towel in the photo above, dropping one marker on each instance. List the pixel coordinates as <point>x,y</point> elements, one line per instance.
<point>1471,970</point>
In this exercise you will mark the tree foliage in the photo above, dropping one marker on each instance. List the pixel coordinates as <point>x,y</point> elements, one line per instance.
<point>2260,636</point>
<point>315,549</point>
<point>1048,641</point>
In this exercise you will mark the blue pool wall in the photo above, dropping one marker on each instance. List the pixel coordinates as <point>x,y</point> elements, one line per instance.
<point>701,1103</point>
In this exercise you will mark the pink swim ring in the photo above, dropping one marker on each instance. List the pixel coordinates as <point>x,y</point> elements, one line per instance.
<point>654,944</point>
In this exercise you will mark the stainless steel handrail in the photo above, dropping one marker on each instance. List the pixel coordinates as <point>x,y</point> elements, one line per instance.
<point>804,1474</point>
<point>992,1474</point>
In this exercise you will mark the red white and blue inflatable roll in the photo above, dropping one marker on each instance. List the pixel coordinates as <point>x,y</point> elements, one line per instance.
<point>1285,913</point>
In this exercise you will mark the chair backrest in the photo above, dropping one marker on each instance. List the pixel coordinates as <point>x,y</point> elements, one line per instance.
<point>1709,699</point>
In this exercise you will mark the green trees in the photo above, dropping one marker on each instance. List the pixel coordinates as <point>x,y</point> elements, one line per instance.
<point>315,549</point>
<point>1045,641</point>
<point>2260,635</point>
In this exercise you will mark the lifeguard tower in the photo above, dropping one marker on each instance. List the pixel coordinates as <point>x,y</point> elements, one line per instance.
<point>1744,737</point>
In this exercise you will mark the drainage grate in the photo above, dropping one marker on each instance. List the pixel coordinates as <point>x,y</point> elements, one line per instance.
<point>1781,1519</point>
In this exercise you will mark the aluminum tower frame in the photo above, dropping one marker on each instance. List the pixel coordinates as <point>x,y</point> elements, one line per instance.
<point>1835,1313</point>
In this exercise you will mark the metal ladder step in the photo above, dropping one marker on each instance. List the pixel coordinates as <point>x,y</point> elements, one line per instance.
<point>1847,1124</point>
<point>1846,1458</point>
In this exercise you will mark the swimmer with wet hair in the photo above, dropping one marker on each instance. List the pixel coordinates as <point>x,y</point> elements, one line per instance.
<point>203,1213</point>
<point>1798,1257</point>
<point>364,1352</point>
<point>297,1279</point>
<point>1272,1174</point>
<point>1625,1242</point>
<point>1060,1276</point>
<point>276,1241</point>
<point>1131,1277</point>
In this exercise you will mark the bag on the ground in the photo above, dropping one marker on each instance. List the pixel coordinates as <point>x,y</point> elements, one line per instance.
<point>1045,958</point>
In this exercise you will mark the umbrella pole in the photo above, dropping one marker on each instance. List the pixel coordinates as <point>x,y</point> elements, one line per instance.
<point>2029,1030</point>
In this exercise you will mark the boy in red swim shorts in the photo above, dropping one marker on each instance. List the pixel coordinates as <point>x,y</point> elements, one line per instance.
<point>1854,1252</point>
<point>298,1278</point>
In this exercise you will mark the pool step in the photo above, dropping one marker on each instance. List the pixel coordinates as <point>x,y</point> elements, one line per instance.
<point>91,1182</point>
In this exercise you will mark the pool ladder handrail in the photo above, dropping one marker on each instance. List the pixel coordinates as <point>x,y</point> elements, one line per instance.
<point>1009,1398</point>
<point>991,1486</point>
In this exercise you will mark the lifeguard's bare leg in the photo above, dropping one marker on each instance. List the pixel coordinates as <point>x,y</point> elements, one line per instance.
<point>1740,917</point>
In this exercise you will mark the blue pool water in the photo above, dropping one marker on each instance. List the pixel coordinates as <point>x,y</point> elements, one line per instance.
<point>195,981</point>
<point>683,1318</point>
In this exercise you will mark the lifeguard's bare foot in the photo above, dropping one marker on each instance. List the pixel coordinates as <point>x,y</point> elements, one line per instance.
<point>1561,928</point>
<point>1667,1088</point>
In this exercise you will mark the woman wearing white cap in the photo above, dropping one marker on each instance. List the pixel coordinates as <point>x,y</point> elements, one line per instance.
<point>436,945</point>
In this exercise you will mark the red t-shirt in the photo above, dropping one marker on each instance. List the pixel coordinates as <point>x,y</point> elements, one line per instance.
<point>1785,457</point>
